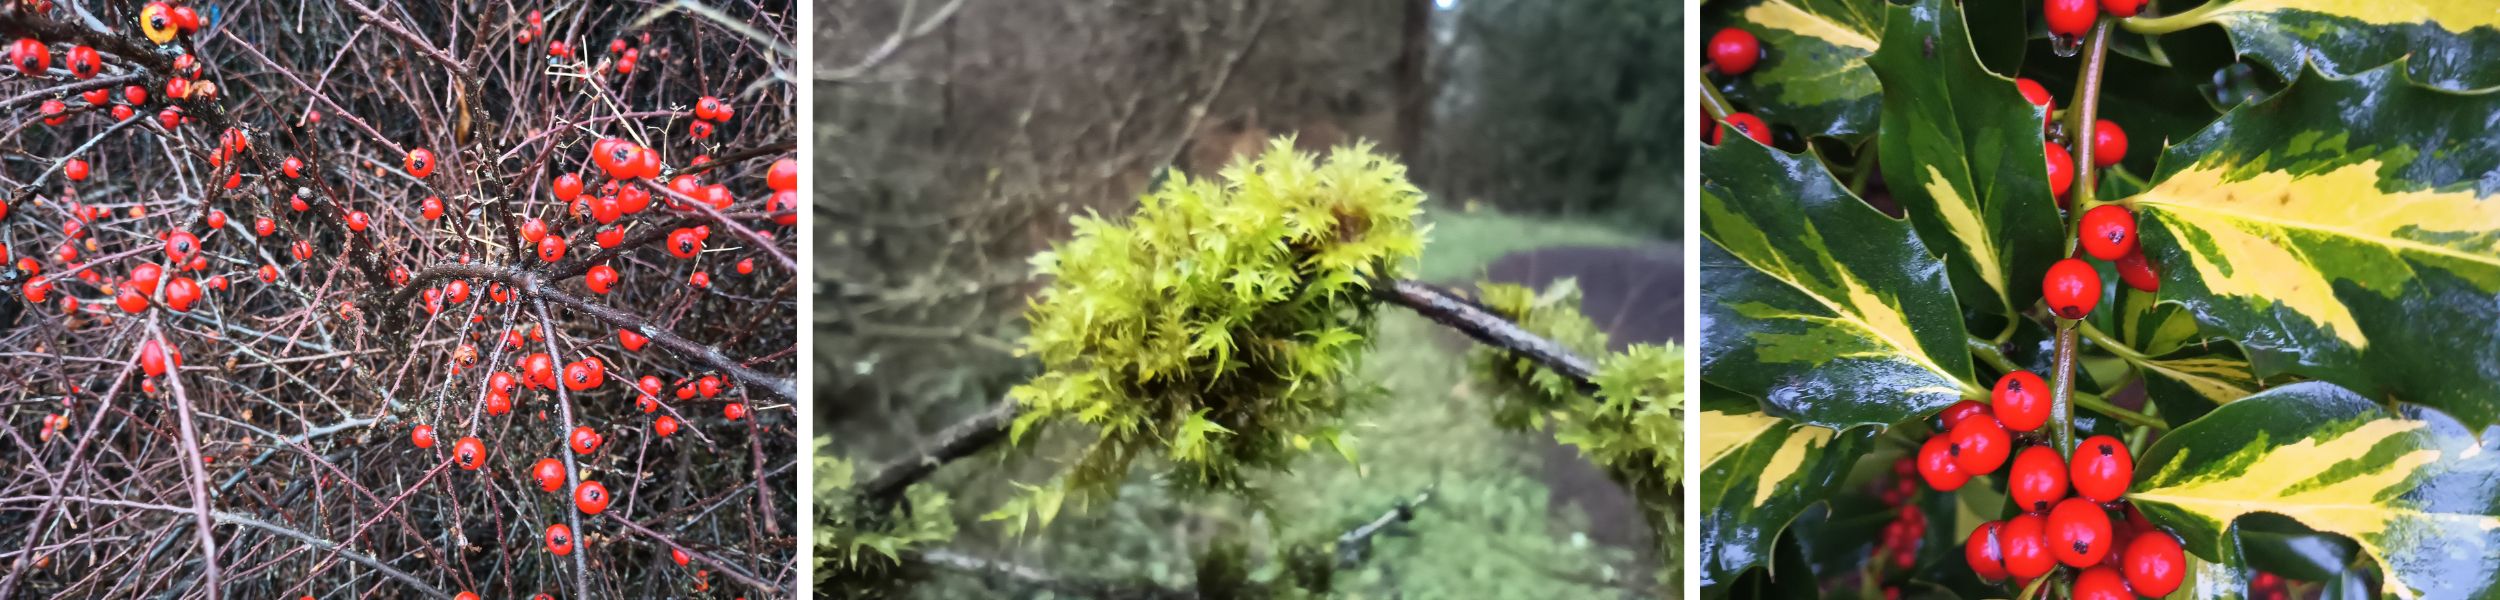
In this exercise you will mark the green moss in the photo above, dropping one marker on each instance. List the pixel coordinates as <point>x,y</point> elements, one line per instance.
<point>860,547</point>
<point>1214,326</point>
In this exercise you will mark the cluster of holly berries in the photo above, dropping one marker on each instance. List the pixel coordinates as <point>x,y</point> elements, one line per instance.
<point>1898,548</point>
<point>2112,559</point>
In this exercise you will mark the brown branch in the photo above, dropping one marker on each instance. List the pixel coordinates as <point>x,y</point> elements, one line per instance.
<point>530,284</point>
<point>732,570</point>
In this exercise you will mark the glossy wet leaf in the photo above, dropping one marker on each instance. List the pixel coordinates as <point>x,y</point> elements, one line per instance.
<point>1758,473</point>
<point>1961,151</point>
<point>2345,230</point>
<point>1813,73</point>
<point>2416,492</point>
<point>1827,310</point>
<point>2451,42</point>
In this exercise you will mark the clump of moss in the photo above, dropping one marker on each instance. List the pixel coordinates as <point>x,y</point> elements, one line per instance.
<point>1214,326</point>
<point>860,546</point>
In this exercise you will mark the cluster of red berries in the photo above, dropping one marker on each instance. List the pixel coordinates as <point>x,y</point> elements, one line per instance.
<point>1732,52</point>
<point>2073,18</point>
<point>708,110</point>
<point>2111,559</point>
<point>1898,549</point>
<point>161,20</point>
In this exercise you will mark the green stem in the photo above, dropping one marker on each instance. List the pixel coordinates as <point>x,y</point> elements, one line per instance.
<point>2100,405</point>
<point>2084,114</point>
<point>2062,386</point>
<point>1712,102</point>
<point>2171,24</point>
<point>2111,343</point>
<point>1987,352</point>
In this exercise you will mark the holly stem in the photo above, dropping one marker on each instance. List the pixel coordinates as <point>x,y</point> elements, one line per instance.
<point>1712,102</point>
<point>1988,353</point>
<point>2111,343</point>
<point>2086,111</point>
<point>2200,15</point>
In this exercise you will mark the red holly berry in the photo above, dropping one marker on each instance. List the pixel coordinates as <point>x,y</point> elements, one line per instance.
<point>498,403</point>
<point>600,278</point>
<point>677,555</point>
<point>2071,18</point>
<point>533,230</point>
<point>708,386</point>
<point>84,63</point>
<point>784,175</point>
<point>2072,288</point>
<point>551,248</point>
<point>2038,480</point>
<point>31,57</point>
<point>2108,232</point>
<point>583,376</point>
<point>262,226</point>
<point>584,440</point>
<point>1985,555</point>
<point>550,474</point>
<point>97,97</point>
<point>130,299</point>
<point>153,359</point>
<point>2153,564</point>
<point>2061,171</point>
<point>699,279</point>
<point>55,112</point>
<point>1980,445</point>
<point>591,497</point>
<point>2101,469</point>
<point>665,426</point>
<point>422,436</point>
<point>559,539</point>
<point>420,162</point>
<point>707,108</point>
<point>457,291</point>
<point>2124,9</point>
<point>2137,272</point>
<point>1745,123</point>
<point>469,453</point>
<point>1734,51</point>
<point>74,169</point>
<point>268,273</point>
<point>2078,533</point>
<point>2109,143</point>
<point>538,371</point>
<point>293,167</point>
<point>216,219</point>
<point>633,341</point>
<point>734,411</point>
<point>2020,401</point>
<point>358,221</point>
<point>1937,466</point>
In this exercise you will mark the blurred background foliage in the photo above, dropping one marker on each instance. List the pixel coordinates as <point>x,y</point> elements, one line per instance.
<point>955,139</point>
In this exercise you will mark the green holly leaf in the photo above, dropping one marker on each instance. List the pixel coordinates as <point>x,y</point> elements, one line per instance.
<point>2415,491</point>
<point>1962,153</point>
<point>1758,473</point>
<point>2344,230</point>
<point>2450,43</point>
<point>1813,73</point>
<point>1830,312</point>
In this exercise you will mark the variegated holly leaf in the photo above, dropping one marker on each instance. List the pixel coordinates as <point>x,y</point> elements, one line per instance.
<point>1758,473</point>
<point>2450,43</point>
<point>2186,371</point>
<point>1962,153</point>
<point>1813,73</point>
<point>2415,491</point>
<point>2345,230</point>
<point>1832,313</point>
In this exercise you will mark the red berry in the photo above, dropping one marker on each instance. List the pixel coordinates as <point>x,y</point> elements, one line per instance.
<point>358,221</point>
<point>74,169</point>
<point>498,403</point>
<point>2072,288</point>
<point>559,539</point>
<point>2109,143</point>
<point>84,63</point>
<point>431,208</point>
<point>2101,469</point>
<point>1734,50</point>
<point>568,186</point>
<point>538,371</point>
<point>292,166</point>
<point>2137,272</point>
<point>551,248</point>
<point>2037,95</point>
<point>734,411</point>
<point>457,291</point>
<point>591,497</point>
<point>2123,9</point>
<point>268,273</point>
<point>262,226</point>
<point>153,359</point>
<point>709,386</point>
<point>469,453</point>
<point>700,279</point>
<point>2153,564</point>
<point>180,293</point>
<point>707,108</point>
<point>1937,466</point>
<point>2038,480</point>
<point>2100,583</point>
<point>130,299</point>
<point>584,441</point>
<point>533,230</point>
<point>699,129</point>
<point>31,57</point>
<point>784,176</point>
<point>2078,532</point>
<point>2024,542</point>
<point>550,474</point>
<point>2071,18</point>
<point>677,555</point>
<point>2061,171</point>
<point>665,426</point>
<point>1986,557</point>
<point>685,243</point>
<point>420,162</point>
<point>600,278</point>
<point>1980,445</point>
<point>1953,415</point>
<point>2020,401</point>
<point>2108,232</point>
<point>422,436</point>
<point>1745,123</point>
<point>633,341</point>
<point>216,219</point>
